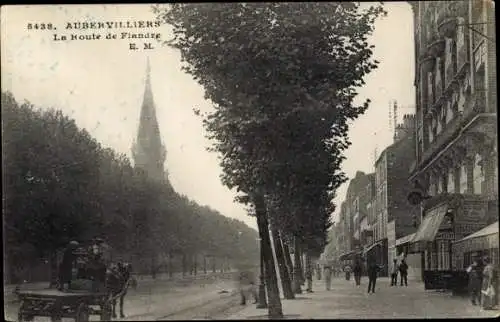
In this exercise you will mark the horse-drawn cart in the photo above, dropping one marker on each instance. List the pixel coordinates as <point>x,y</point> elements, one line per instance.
<point>56,304</point>
<point>93,289</point>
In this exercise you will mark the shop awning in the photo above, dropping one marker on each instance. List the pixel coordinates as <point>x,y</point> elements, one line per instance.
<point>379,243</point>
<point>483,239</point>
<point>405,239</point>
<point>346,255</point>
<point>430,225</point>
<point>488,230</point>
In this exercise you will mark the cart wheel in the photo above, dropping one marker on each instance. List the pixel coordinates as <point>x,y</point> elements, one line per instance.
<point>82,313</point>
<point>106,312</point>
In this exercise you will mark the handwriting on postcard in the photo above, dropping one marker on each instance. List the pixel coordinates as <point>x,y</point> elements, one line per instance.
<point>139,34</point>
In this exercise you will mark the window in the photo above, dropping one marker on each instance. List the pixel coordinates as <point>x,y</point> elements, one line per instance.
<point>443,255</point>
<point>463,178</point>
<point>478,174</point>
<point>456,178</point>
<point>451,181</point>
<point>454,56</point>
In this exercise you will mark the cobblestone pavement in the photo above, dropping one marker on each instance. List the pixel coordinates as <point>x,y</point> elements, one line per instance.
<point>345,300</point>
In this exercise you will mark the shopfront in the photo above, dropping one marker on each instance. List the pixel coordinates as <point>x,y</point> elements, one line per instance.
<point>446,219</point>
<point>481,243</point>
<point>378,251</point>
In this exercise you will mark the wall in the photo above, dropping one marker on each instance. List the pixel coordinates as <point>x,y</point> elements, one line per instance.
<point>414,262</point>
<point>400,156</point>
<point>391,242</point>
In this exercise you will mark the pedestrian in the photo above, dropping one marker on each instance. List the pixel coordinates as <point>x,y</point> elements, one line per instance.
<point>309,279</point>
<point>475,271</point>
<point>373,270</point>
<point>328,277</point>
<point>357,272</point>
<point>318,271</point>
<point>246,281</point>
<point>347,270</point>
<point>394,272</point>
<point>403,271</point>
<point>66,266</point>
<point>490,285</point>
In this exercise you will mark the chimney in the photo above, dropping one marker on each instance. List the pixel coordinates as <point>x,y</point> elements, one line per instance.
<point>406,128</point>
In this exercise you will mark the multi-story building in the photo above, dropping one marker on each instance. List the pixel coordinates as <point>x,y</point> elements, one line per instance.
<point>345,235</point>
<point>358,196</point>
<point>456,151</point>
<point>393,214</point>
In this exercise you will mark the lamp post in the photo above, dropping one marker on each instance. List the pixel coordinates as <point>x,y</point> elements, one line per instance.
<point>262,286</point>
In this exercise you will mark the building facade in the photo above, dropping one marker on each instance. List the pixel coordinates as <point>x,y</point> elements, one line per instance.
<point>358,196</point>
<point>392,217</point>
<point>456,135</point>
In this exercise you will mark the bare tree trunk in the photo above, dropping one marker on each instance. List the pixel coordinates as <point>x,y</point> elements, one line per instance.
<point>288,258</point>
<point>280,257</point>
<point>205,264</point>
<point>153,267</point>
<point>297,270</point>
<point>214,266</point>
<point>195,263</point>
<point>308,269</point>
<point>275,310</point>
<point>54,269</point>
<point>183,264</point>
<point>170,265</point>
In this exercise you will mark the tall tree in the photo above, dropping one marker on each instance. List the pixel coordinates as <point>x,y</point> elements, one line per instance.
<point>282,76</point>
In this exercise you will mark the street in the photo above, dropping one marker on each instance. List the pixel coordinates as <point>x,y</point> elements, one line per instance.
<point>347,301</point>
<point>165,300</point>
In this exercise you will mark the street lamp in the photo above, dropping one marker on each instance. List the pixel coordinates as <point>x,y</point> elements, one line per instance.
<point>262,286</point>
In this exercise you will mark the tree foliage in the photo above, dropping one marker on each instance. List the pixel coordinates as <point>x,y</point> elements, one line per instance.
<point>60,184</point>
<point>282,78</point>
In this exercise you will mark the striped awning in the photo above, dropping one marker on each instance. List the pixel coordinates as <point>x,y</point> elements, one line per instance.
<point>379,243</point>
<point>486,238</point>
<point>429,227</point>
<point>346,255</point>
<point>405,239</point>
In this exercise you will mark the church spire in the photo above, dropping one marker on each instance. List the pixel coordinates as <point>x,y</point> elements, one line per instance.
<point>148,150</point>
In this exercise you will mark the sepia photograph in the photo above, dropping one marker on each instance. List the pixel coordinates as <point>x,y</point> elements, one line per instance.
<point>250,161</point>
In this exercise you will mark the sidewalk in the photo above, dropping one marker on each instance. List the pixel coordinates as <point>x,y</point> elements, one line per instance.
<point>347,301</point>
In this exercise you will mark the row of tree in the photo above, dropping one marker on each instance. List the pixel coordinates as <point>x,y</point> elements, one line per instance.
<point>282,78</point>
<point>62,185</point>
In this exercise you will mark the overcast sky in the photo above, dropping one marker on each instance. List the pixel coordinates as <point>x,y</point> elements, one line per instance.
<point>100,83</point>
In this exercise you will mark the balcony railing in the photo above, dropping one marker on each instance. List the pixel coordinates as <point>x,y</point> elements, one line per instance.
<point>448,12</point>
<point>477,106</point>
<point>442,138</point>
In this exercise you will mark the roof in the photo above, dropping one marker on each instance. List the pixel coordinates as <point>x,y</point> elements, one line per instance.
<point>488,230</point>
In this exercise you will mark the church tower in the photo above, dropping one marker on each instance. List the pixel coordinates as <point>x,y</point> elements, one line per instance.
<point>148,151</point>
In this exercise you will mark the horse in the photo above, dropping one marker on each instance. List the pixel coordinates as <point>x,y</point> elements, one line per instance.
<point>118,279</point>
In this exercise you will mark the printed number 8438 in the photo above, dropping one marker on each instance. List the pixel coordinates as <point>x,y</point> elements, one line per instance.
<point>40,26</point>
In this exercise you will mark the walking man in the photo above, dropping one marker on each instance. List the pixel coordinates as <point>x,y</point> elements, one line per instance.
<point>347,270</point>
<point>328,277</point>
<point>475,280</point>
<point>357,272</point>
<point>372,275</point>
<point>394,273</point>
<point>403,270</point>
